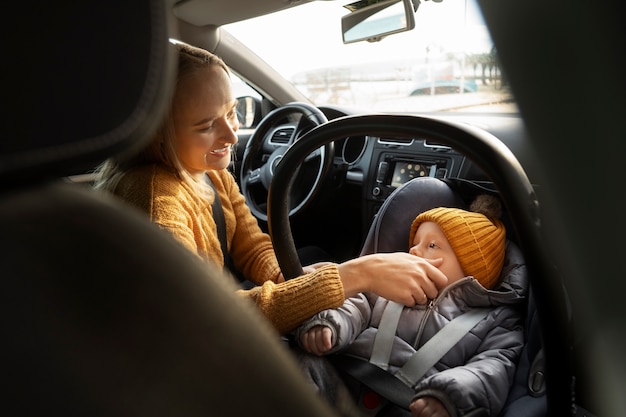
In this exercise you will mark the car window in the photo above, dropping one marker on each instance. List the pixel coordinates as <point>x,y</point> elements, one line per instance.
<point>447,63</point>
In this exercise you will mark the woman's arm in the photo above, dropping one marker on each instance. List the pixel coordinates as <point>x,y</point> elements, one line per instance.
<point>291,302</point>
<point>399,277</point>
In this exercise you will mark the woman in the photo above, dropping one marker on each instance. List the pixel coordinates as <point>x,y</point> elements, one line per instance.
<point>169,181</point>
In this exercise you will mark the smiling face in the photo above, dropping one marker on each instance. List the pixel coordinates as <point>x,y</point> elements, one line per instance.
<point>205,120</point>
<point>431,243</point>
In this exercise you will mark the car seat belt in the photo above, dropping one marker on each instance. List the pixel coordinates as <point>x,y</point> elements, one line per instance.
<point>434,349</point>
<point>397,387</point>
<point>383,342</point>
<point>220,223</point>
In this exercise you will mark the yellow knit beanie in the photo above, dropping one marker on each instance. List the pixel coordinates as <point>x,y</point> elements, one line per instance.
<point>476,236</point>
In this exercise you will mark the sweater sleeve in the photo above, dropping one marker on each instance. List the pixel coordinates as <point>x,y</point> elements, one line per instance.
<point>345,322</point>
<point>289,303</point>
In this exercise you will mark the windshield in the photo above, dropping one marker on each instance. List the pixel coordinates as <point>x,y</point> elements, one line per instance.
<point>447,63</point>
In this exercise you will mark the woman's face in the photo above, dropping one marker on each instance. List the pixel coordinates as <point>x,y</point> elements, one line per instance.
<point>205,120</point>
<point>431,243</point>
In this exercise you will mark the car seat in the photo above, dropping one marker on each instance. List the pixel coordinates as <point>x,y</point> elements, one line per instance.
<point>389,232</point>
<point>103,313</point>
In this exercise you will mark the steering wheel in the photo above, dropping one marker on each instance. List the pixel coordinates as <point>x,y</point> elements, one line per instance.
<point>507,174</point>
<point>262,157</point>
<point>497,161</point>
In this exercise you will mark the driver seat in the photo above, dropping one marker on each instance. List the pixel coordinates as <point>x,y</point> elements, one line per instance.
<point>389,232</point>
<point>102,313</point>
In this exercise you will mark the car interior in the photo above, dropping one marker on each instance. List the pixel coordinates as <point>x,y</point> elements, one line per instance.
<point>94,326</point>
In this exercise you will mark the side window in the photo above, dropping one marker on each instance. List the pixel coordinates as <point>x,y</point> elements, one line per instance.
<point>241,89</point>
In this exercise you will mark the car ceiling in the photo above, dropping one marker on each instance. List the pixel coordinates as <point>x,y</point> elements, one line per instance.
<point>199,21</point>
<point>219,12</point>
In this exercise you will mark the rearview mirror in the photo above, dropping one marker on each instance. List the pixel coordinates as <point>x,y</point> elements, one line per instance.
<point>371,20</point>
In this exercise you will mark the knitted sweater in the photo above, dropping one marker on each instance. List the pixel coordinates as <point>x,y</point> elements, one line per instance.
<point>170,204</point>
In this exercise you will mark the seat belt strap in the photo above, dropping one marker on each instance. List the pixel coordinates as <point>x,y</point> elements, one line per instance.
<point>397,388</point>
<point>383,342</point>
<point>220,223</point>
<point>433,350</point>
<point>374,378</point>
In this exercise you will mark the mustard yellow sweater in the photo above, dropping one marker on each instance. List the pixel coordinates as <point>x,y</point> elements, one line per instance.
<point>170,204</point>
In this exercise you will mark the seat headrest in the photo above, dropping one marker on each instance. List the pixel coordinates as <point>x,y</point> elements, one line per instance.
<point>390,230</point>
<point>86,80</point>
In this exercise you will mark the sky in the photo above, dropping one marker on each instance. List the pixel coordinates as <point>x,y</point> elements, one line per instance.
<point>272,35</point>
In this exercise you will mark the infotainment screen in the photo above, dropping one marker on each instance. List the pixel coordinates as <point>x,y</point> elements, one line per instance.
<point>406,171</point>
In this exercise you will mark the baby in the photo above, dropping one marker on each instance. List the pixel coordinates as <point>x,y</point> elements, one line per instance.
<point>476,373</point>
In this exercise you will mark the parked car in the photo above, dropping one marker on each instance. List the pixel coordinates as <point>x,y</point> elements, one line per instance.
<point>444,87</point>
<point>518,128</point>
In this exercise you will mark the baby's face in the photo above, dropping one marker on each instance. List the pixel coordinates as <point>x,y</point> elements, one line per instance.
<point>431,243</point>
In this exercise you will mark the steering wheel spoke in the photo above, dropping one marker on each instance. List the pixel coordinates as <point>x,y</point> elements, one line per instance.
<point>316,153</point>
<point>253,177</point>
<point>258,166</point>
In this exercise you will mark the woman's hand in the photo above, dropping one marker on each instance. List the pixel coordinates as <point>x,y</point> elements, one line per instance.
<point>313,267</point>
<point>317,340</point>
<point>398,276</point>
<point>428,407</point>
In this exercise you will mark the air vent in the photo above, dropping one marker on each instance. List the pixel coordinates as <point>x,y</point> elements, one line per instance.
<point>435,145</point>
<point>396,141</point>
<point>282,136</point>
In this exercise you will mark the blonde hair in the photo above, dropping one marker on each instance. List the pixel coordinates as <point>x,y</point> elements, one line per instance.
<point>161,148</point>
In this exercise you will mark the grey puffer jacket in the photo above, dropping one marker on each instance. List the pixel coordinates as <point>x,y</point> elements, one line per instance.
<point>478,371</point>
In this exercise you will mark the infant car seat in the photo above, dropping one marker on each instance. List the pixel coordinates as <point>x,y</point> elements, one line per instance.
<point>389,232</point>
<point>102,313</point>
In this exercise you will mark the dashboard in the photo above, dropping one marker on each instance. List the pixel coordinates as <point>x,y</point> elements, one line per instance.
<point>368,168</point>
<point>385,163</point>
<point>379,165</point>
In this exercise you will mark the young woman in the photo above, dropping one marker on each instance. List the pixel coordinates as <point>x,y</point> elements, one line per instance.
<point>168,180</point>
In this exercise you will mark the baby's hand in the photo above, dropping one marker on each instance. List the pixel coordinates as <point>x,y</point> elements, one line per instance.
<point>428,407</point>
<point>317,340</point>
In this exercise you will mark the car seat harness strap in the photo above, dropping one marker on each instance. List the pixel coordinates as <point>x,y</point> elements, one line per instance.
<point>383,342</point>
<point>398,387</point>
<point>433,350</point>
